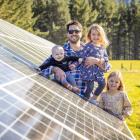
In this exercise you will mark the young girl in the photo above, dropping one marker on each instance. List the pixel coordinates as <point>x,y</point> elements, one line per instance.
<point>94,71</point>
<point>115,100</point>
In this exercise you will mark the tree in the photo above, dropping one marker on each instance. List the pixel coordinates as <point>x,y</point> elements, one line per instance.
<point>136,29</point>
<point>52,19</point>
<point>17,12</point>
<point>81,10</point>
<point>105,11</point>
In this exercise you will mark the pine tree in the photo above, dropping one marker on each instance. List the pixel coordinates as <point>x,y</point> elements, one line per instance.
<point>53,19</point>
<point>81,10</point>
<point>125,33</point>
<point>105,11</point>
<point>17,12</point>
<point>135,15</point>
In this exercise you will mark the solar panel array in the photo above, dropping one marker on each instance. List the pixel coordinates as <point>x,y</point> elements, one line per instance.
<point>35,108</point>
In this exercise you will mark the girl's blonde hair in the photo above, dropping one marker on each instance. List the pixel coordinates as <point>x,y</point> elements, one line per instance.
<point>118,75</point>
<point>104,40</point>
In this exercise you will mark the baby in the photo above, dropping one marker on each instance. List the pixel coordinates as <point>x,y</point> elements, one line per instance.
<point>58,59</point>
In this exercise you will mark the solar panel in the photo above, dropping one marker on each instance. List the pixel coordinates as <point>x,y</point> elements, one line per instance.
<point>35,108</point>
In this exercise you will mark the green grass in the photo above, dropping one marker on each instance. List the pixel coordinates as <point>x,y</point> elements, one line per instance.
<point>131,77</point>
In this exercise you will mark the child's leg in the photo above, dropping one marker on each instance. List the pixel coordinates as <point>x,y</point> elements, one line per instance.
<point>70,79</point>
<point>67,85</point>
<point>89,88</point>
<point>62,81</point>
<point>99,89</point>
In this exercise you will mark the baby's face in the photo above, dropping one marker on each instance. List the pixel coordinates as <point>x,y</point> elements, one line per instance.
<point>58,54</point>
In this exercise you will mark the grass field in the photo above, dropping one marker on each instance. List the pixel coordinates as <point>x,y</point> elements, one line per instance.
<point>131,76</point>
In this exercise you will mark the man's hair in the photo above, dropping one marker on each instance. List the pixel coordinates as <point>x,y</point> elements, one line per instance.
<point>74,22</point>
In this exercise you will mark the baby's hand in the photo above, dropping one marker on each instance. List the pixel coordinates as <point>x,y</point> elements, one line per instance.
<point>36,68</point>
<point>80,60</point>
<point>72,66</point>
<point>121,117</point>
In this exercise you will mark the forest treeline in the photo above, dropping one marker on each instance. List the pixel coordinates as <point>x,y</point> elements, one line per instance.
<point>47,18</point>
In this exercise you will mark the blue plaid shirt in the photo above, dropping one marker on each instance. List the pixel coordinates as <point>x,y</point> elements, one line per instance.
<point>76,73</point>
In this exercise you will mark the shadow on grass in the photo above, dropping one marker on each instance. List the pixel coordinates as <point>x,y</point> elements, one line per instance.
<point>138,86</point>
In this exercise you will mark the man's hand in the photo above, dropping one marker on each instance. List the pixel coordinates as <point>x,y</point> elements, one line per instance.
<point>60,74</point>
<point>72,66</point>
<point>90,61</point>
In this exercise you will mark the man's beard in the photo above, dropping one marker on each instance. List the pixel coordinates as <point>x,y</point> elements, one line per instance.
<point>75,40</point>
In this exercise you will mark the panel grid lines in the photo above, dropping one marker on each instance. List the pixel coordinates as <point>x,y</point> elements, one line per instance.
<point>92,109</point>
<point>43,113</point>
<point>20,34</point>
<point>35,108</point>
<point>63,107</point>
<point>9,124</point>
<point>39,105</point>
<point>29,115</point>
<point>25,53</point>
<point>71,102</point>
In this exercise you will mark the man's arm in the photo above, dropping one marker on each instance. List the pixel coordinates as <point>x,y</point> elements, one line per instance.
<point>89,61</point>
<point>72,58</point>
<point>103,62</point>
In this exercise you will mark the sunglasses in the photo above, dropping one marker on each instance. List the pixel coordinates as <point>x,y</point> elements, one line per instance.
<point>72,31</point>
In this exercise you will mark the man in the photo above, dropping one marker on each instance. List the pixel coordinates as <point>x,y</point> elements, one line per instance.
<point>72,48</point>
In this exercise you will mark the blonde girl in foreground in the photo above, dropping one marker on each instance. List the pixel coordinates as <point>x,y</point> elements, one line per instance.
<point>115,100</point>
